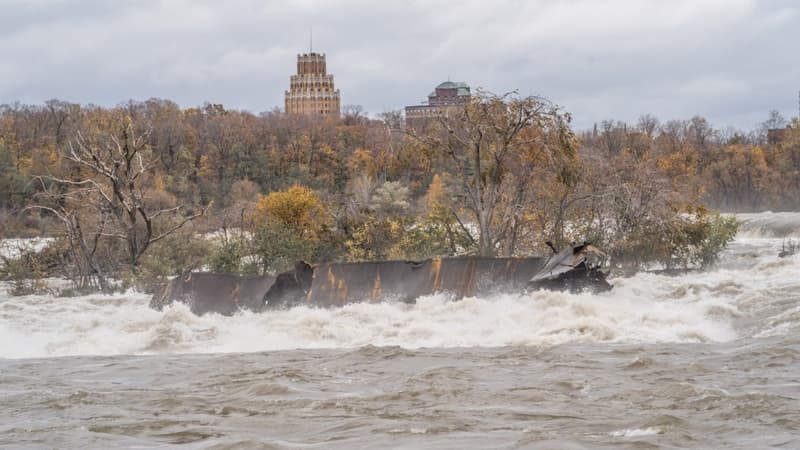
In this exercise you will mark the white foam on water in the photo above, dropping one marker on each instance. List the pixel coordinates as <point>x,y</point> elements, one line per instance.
<point>753,293</point>
<point>123,324</point>
<point>635,432</point>
<point>769,225</point>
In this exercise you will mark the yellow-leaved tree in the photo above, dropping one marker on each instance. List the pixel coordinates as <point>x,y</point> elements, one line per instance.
<point>289,226</point>
<point>298,208</point>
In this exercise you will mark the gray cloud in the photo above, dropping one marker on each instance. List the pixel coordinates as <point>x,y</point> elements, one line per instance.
<point>728,60</point>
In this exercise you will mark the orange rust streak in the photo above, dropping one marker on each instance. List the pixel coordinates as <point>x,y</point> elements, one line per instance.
<point>436,270</point>
<point>376,288</point>
<point>310,293</point>
<point>331,280</point>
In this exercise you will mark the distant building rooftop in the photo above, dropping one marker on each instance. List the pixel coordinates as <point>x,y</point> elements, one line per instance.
<point>462,89</point>
<point>776,136</point>
<point>444,96</point>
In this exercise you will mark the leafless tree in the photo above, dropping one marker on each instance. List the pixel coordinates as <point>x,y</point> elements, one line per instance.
<point>82,232</point>
<point>114,177</point>
<point>775,120</point>
<point>648,124</point>
<point>353,114</point>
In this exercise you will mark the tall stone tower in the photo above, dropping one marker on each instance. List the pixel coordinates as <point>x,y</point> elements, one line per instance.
<point>311,91</point>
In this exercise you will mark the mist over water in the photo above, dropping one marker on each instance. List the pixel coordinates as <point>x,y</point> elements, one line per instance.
<point>658,362</point>
<point>769,225</point>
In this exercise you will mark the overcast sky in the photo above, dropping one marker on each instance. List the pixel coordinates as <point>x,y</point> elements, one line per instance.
<point>730,61</point>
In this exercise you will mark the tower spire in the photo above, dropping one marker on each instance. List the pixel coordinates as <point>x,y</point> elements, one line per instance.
<point>311,90</point>
<point>310,40</point>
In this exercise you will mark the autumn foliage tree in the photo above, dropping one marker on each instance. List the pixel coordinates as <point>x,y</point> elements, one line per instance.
<point>638,197</point>
<point>497,176</point>
<point>289,226</point>
<point>492,145</point>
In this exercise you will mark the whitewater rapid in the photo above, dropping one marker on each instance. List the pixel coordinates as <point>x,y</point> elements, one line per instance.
<point>752,293</point>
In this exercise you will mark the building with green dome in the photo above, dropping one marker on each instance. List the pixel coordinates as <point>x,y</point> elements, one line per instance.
<point>445,96</point>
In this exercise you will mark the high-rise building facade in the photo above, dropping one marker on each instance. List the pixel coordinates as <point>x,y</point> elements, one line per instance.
<point>311,91</point>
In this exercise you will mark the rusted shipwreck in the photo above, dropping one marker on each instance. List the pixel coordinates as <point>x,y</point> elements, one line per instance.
<point>337,284</point>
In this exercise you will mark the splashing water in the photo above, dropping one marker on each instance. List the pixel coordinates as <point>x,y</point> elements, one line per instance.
<point>751,294</point>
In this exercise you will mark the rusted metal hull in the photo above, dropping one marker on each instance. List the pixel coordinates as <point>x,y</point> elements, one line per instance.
<point>338,284</point>
<point>574,269</point>
<point>220,293</point>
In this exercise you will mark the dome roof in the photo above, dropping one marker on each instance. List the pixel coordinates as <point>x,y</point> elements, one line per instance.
<point>463,88</point>
<point>447,85</point>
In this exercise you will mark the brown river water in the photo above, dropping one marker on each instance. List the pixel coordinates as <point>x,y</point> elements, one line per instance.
<point>705,360</point>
